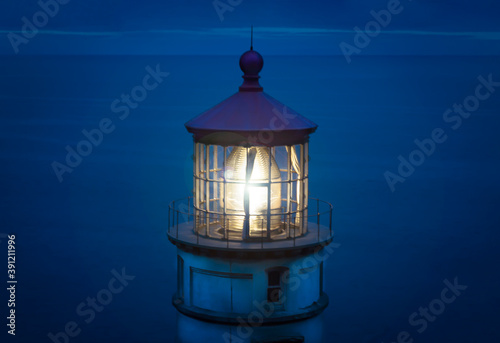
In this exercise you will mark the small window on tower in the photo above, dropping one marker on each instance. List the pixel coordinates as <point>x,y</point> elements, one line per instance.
<point>274,278</point>
<point>275,284</point>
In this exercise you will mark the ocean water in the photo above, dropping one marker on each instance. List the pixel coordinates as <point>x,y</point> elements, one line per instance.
<point>396,248</point>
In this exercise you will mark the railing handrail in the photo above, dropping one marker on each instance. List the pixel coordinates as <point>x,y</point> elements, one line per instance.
<point>191,205</point>
<point>182,222</point>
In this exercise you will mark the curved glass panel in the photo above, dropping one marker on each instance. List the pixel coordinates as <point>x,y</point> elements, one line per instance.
<point>247,173</point>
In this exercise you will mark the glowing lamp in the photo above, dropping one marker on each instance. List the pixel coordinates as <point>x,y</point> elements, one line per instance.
<point>250,173</point>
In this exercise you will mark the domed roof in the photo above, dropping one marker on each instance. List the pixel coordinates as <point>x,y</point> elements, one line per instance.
<point>251,117</point>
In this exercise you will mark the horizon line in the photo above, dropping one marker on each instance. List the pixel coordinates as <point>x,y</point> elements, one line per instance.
<point>263,31</point>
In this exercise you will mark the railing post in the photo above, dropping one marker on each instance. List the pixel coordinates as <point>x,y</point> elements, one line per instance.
<point>173,213</point>
<point>177,235</point>
<point>318,226</point>
<point>226,232</point>
<point>194,218</point>
<point>287,220</point>
<point>197,231</point>
<point>317,209</point>
<point>224,225</point>
<point>330,221</point>
<point>294,231</point>
<point>262,234</point>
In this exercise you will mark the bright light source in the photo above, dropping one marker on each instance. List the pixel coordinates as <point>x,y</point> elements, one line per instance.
<point>248,172</point>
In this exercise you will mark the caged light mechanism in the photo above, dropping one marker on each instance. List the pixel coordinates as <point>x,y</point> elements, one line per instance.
<point>245,193</point>
<point>250,220</point>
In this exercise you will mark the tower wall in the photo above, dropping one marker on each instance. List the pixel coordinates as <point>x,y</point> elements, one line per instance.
<point>240,286</point>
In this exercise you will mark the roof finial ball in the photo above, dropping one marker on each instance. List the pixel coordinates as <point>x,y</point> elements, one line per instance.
<point>251,63</point>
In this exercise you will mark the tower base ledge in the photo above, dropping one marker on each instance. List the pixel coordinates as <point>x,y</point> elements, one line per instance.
<point>256,317</point>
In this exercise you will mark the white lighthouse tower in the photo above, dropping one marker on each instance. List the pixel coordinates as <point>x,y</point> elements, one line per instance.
<point>250,242</point>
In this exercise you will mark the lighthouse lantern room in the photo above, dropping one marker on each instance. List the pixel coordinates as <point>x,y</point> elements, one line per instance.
<point>250,238</point>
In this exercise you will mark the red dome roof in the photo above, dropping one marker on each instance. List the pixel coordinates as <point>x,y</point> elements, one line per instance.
<point>251,117</point>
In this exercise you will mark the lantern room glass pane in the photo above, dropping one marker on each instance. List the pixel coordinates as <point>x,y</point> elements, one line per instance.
<point>250,192</point>
<point>250,173</point>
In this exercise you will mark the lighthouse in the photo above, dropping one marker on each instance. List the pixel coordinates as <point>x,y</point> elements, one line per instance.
<point>250,241</point>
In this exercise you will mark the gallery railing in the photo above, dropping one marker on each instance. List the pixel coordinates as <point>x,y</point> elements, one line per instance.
<point>213,229</point>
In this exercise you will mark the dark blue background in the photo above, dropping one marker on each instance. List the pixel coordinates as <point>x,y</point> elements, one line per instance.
<point>111,211</point>
<point>396,248</point>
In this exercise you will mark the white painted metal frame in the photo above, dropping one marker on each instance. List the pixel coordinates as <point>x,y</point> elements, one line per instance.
<point>208,179</point>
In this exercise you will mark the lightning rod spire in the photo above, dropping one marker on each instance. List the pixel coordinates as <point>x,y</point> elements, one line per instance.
<point>251,38</point>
